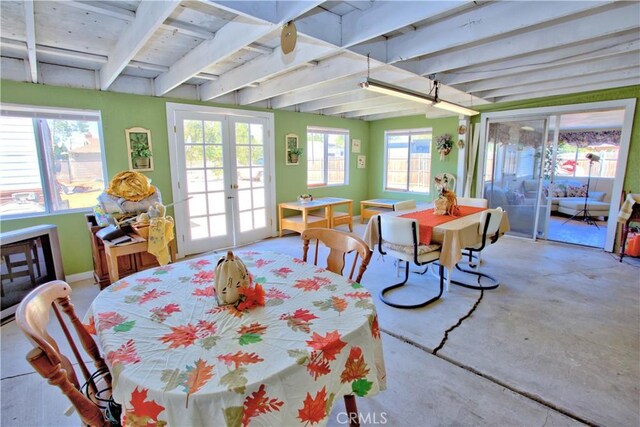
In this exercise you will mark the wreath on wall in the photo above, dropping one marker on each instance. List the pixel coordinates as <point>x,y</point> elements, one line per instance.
<point>444,144</point>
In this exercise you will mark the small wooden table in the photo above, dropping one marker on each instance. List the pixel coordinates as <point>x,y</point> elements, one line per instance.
<point>369,208</point>
<point>112,253</point>
<point>330,217</point>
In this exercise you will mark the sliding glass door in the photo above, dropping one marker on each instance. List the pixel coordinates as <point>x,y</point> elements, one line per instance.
<point>514,169</point>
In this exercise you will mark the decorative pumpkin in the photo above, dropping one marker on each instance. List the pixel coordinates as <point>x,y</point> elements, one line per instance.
<point>231,275</point>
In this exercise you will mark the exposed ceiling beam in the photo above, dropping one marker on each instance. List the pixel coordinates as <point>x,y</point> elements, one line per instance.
<point>380,109</point>
<point>149,16</point>
<point>264,66</point>
<point>171,24</point>
<point>30,30</point>
<point>484,22</point>
<point>325,70</point>
<point>272,11</point>
<point>229,39</point>
<point>333,101</point>
<point>412,112</point>
<point>187,29</point>
<point>321,25</point>
<point>553,73</point>
<point>592,49</point>
<point>568,90</point>
<point>384,17</point>
<point>259,49</point>
<point>379,101</point>
<point>585,80</point>
<point>605,23</point>
<point>276,61</point>
<point>89,58</point>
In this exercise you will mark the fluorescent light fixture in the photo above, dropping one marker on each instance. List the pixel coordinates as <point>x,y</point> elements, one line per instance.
<point>455,108</point>
<point>411,95</point>
<point>397,91</point>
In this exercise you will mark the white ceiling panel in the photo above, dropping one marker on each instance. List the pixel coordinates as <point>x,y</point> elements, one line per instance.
<point>480,51</point>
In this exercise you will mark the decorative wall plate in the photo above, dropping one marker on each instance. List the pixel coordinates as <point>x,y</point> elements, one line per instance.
<point>288,37</point>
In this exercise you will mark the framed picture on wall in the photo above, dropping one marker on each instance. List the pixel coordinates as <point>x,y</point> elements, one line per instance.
<point>355,145</point>
<point>139,149</point>
<point>292,149</point>
<point>362,162</point>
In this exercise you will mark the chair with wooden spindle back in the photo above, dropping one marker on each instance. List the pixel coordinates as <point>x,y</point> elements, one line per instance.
<point>32,316</point>
<point>340,244</point>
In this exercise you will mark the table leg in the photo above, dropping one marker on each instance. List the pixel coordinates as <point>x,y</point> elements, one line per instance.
<point>361,213</point>
<point>351,217</point>
<point>112,264</point>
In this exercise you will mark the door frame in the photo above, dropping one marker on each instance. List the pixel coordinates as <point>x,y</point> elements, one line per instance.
<point>270,179</point>
<point>629,105</point>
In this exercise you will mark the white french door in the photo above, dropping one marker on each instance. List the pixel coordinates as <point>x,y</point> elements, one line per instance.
<point>221,163</point>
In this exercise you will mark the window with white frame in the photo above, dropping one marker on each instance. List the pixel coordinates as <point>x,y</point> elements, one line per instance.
<point>51,160</point>
<point>408,160</point>
<point>327,156</point>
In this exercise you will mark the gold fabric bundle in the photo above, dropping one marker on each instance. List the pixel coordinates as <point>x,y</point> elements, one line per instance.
<point>132,186</point>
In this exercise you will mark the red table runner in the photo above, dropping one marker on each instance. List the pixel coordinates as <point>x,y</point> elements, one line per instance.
<point>427,220</point>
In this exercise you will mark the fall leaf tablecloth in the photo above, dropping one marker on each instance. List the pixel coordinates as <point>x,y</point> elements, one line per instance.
<point>178,358</point>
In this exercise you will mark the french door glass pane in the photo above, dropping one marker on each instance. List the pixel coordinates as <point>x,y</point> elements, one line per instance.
<point>218,225</point>
<point>194,156</point>
<point>199,228</point>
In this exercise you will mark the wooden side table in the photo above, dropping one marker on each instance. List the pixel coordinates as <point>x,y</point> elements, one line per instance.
<point>369,208</point>
<point>112,253</point>
<point>329,218</point>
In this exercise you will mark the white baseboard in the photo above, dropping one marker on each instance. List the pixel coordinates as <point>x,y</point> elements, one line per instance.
<point>71,278</point>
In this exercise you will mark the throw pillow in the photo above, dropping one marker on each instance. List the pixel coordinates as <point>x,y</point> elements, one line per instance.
<point>557,190</point>
<point>597,196</point>
<point>515,198</point>
<point>577,191</point>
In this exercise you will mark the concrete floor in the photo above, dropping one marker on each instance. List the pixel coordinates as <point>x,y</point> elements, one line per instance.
<point>558,343</point>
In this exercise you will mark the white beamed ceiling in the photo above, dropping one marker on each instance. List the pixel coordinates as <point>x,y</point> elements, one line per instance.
<point>229,51</point>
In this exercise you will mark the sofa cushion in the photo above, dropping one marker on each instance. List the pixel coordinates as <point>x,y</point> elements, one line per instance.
<point>577,191</point>
<point>557,190</point>
<point>598,196</point>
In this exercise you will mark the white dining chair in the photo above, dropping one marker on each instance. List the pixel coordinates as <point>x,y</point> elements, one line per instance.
<point>404,205</point>
<point>399,238</point>
<point>475,202</point>
<point>489,231</point>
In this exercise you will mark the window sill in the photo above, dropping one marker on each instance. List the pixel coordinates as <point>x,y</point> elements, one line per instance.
<point>314,187</point>
<point>33,215</point>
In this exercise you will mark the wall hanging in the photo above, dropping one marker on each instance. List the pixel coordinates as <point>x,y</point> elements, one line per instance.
<point>139,149</point>
<point>292,149</point>
<point>444,144</point>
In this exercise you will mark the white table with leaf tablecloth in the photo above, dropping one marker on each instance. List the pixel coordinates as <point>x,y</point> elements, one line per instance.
<point>178,358</point>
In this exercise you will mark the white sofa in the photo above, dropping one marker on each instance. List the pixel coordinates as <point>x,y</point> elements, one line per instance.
<point>562,198</point>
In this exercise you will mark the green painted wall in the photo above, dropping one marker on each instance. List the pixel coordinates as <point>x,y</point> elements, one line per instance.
<point>449,125</point>
<point>376,163</point>
<point>121,111</point>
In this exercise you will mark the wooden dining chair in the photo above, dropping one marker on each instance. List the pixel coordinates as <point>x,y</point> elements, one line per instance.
<point>489,231</point>
<point>475,202</point>
<point>399,238</point>
<point>32,317</point>
<point>340,244</point>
